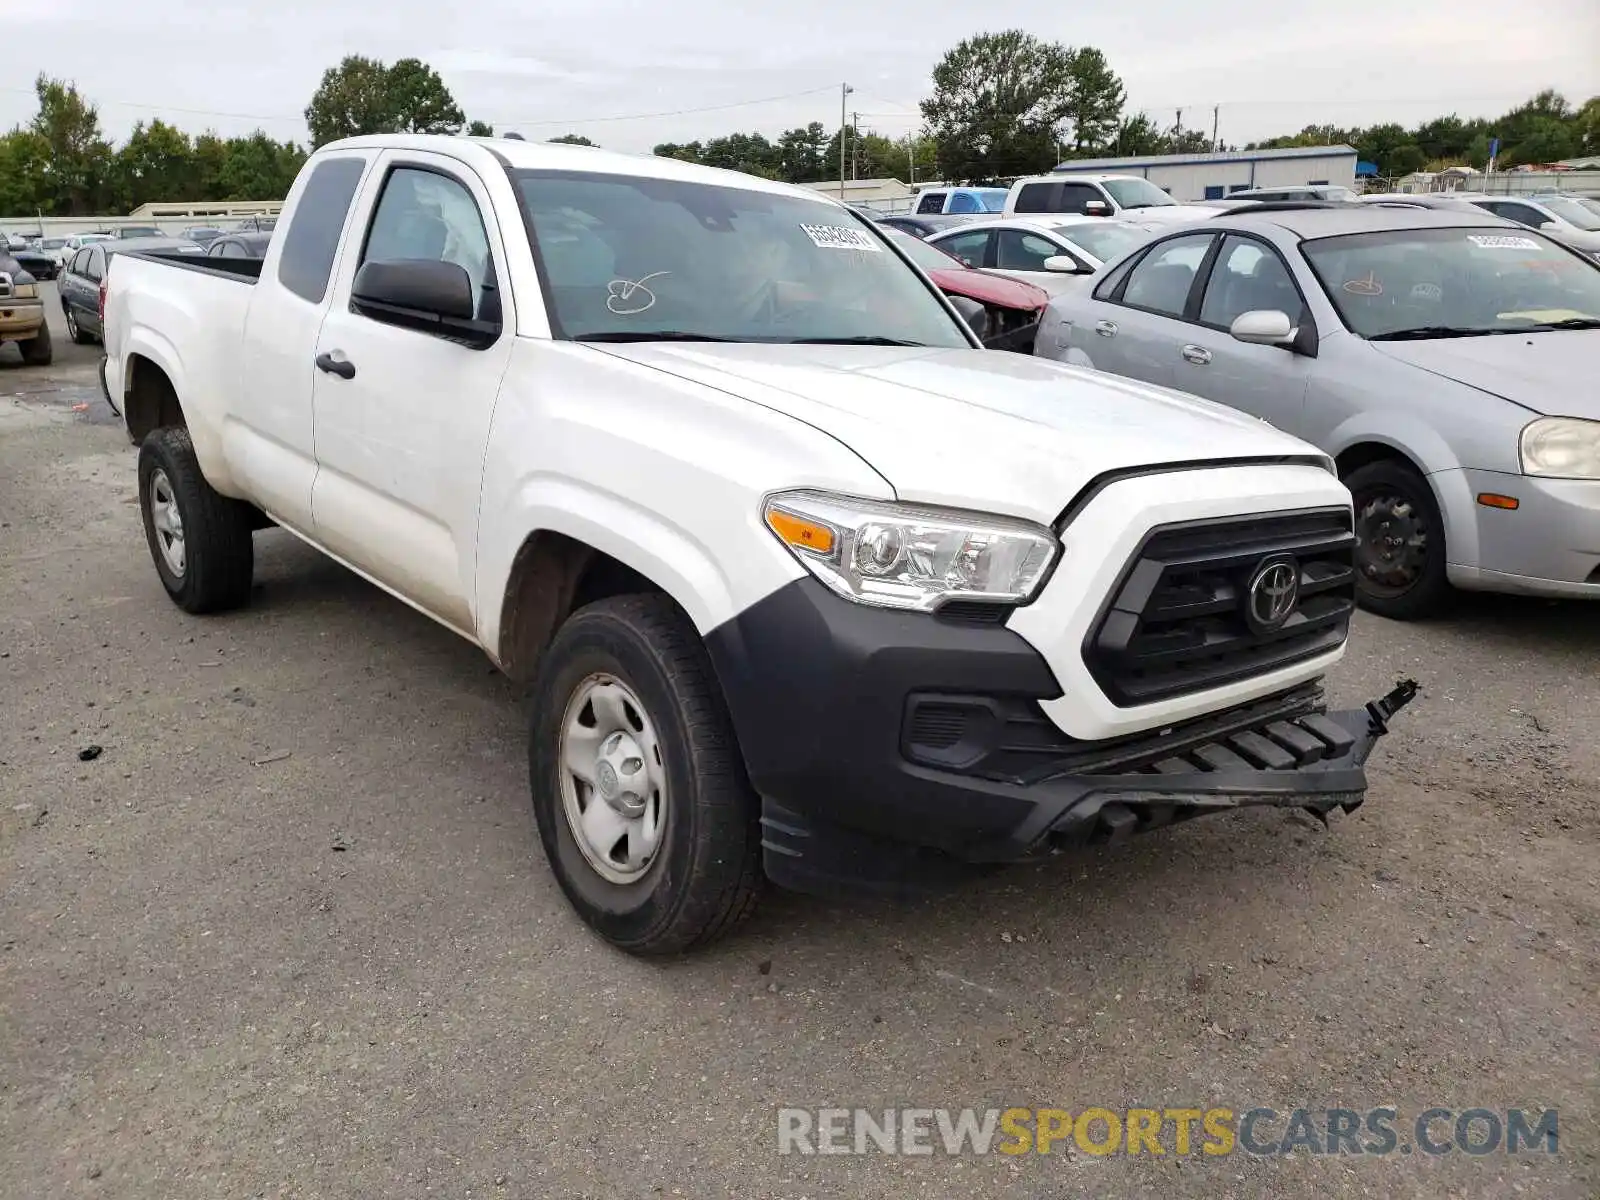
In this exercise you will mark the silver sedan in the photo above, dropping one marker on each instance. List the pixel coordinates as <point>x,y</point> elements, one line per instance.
<point>1446,360</point>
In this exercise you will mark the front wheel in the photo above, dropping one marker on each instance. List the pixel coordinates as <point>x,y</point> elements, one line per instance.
<point>200,539</point>
<point>1400,552</point>
<point>75,331</point>
<point>640,795</point>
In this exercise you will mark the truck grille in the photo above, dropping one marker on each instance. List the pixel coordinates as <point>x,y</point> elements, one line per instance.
<point>1210,602</point>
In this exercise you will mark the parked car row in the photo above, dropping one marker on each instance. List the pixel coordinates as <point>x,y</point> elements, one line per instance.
<point>1572,220</point>
<point>1443,356</point>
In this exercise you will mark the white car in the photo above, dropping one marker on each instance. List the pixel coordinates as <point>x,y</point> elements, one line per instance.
<point>70,246</point>
<point>1064,193</point>
<point>1055,253</point>
<point>806,582</point>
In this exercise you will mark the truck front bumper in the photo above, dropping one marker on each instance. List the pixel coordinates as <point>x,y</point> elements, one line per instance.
<point>20,319</point>
<point>894,751</point>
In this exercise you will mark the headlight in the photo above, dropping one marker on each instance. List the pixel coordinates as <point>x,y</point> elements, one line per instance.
<point>1561,447</point>
<point>26,291</point>
<point>906,556</point>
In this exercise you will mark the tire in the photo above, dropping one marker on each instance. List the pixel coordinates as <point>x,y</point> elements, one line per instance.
<point>37,351</point>
<point>1394,504</point>
<point>74,331</point>
<point>704,876</point>
<point>215,558</point>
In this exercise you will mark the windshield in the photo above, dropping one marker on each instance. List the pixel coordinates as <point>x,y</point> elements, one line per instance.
<point>929,258</point>
<point>1105,240</point>
<point>52,243</point>
<point>992,199</point>
<point>1573,211</point>
<point>1136,193</point>
<point>139,231</point>
<point>637,259</point>
<point>1454,282</point>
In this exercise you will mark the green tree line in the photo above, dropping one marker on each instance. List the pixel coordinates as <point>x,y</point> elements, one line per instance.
<point>1002,104</point>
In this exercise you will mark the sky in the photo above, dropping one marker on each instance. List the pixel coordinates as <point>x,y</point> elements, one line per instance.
<point>605,68</point>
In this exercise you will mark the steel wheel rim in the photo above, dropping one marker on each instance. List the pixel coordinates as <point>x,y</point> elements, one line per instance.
<point>1391,543</point>
<point>167,522</point>
<point>72,325</point>
<point>612,778</point>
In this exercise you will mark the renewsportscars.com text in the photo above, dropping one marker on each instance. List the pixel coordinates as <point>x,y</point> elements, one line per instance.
<point>1161,1131</point>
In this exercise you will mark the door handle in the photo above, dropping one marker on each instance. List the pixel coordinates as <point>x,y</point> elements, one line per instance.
<point>342,367</point>
<point>1198,355</point>
<point>1106,328</point>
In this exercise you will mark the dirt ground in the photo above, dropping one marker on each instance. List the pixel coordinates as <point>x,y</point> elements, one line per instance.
<point>291,933</point>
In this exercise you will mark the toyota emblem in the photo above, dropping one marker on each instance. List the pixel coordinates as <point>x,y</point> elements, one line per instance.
<point>1273,593</point>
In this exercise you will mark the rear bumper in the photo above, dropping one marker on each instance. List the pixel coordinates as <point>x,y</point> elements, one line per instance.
<point>21,319</point>
<point>895,751</point>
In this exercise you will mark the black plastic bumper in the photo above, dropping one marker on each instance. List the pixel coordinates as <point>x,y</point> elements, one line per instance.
<point>822,692</point>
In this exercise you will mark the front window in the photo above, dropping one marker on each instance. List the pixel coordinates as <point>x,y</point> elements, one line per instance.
<point>1572,211</point>
<point>52,243</point>
<point>1104,239</point>
<point>638,259</point>
<point>1136,193</point>
<point>1436,283</point>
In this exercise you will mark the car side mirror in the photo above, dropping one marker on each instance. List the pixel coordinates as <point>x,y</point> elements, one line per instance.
<point>1263,327</point>
<point>1097,208</point>
<point>973,313</point>
<point>1064,264</point>
<point>425,295</point>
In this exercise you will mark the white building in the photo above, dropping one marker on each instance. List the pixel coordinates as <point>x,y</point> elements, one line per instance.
<point>1193,177</point>
<point>885,195</point>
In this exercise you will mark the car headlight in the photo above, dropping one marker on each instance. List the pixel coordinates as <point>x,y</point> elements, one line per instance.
<point>1561,447</point>
<point>908,556</point>
<point>26,291</point>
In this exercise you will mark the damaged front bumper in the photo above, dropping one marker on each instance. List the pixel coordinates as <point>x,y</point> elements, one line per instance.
<point>1312,760</point>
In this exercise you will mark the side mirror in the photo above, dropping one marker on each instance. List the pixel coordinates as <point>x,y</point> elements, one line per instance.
<point>973,313</point>
<point>1063,263</point>
<point>1097,208</point>
<point>425,295</point>
<point>1263,327</point>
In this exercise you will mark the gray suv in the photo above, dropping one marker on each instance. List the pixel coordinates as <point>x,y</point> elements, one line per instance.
<point>1445,359</point>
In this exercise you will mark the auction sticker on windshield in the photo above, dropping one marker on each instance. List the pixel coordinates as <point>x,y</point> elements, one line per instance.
<point>835,237</point>
<point>1501,241</point>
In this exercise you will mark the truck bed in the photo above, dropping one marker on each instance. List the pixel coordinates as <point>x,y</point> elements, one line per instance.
<point>240,270</point>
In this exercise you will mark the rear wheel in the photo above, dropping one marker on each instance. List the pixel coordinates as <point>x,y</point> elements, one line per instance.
<point>78,336</point>
<point>37,351</point>
<point>200,539</point>
<point>646,816</point>
<point>1400,551</point>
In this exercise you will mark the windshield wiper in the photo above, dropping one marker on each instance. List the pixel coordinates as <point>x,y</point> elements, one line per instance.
<point>867,340</point>
<point>1564,323</point>
<point>648,335</point>
<point>1425,332</point>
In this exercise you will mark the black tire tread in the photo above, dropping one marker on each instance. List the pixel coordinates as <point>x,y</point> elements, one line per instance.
<point>725,890</point>
<point>216,528</point>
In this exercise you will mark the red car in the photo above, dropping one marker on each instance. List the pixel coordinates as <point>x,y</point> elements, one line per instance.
<point>1014,307</point>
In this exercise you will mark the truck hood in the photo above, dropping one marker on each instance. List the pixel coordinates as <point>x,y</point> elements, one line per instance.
<point>976,429</point>
<point>1550,373</point>
<point>1170,212</point>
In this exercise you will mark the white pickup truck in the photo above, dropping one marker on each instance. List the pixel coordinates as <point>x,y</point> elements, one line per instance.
<point>807,584</point>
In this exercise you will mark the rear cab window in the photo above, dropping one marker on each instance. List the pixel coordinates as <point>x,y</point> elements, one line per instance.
<point>311,243</point>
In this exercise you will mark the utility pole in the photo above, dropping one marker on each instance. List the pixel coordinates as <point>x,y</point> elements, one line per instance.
<point>1216,116</point>
<point>855,145</point>
<point>844,90</point>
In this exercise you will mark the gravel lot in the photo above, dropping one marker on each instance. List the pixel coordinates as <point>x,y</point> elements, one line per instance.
<point>291,933</point>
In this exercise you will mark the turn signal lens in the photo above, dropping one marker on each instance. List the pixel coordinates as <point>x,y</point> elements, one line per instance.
<point>800,533</point>
<point>1496,500</point>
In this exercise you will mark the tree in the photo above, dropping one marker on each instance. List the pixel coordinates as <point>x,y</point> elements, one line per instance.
<point>1094,103</point>
<point>24,161</point>
<point>361,95</point>
<point>1403,160</point>
<point>1000,100</point>
<point>1544,140</point>
<point>802,154</point>
<point>1587,121</point>
<point>748,152</point>
<point>1138,135</point>
<point>78,156</point>
<point>479,129</point>
<point>157,162</point>
<point>419,102</point>
<point>258,168</point>
<point>686,151</point>
<point>1187,141</point>
<point>573,139</point>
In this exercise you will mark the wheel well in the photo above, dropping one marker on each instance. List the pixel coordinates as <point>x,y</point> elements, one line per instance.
<point>149,401</point>
<point>552,576</point>
<point>1365,453</point>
